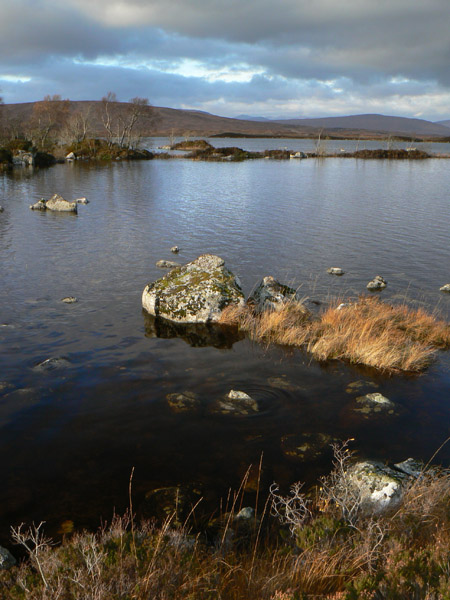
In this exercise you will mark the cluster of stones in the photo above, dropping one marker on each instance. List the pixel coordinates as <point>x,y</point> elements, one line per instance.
<point>59,204</point>
<point>377,283</point>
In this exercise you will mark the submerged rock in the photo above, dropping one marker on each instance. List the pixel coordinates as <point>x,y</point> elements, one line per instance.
<point>379,487</point>
<point>52,363</point>
<point>194,293</point>
<point>377,283</point>
<point>236,403</point>
<point>167,264</point>
<point>445,288</point>
<point>175,503</point>
<point>356,386</point>
<point>335,271</point>
<point>270,294</point>
<point>374,403</point>
<point>306,446</point>
<point>183,402</point>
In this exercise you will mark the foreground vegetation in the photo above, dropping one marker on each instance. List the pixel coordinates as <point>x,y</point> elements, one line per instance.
<point>298,547</point>
<point>367,332</point>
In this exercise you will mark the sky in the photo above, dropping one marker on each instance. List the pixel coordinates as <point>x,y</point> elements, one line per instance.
<point>276,59</point>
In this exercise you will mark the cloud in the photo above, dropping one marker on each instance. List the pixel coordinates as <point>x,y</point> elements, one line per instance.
<point>231,55</point>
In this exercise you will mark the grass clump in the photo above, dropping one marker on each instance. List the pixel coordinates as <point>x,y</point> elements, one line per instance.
<point>367,332</point>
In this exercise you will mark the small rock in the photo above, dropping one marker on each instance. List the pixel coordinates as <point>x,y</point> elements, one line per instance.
<point>412,467</point>
<point>82,200</point>
<point>374,403</point>
<point>7,560</point>
<point>270,294</point>
<point>183,402</point>
<point>335,271</point>
<point>39,205</point>
<point>377,283</point>
<point>356,386</point>
<point>445,288</point>
<point>175,249</point>
<point>343,305</point>
<point>284,384</point>
<point>52,363</point>
<point>246,513</point>
<point>69,299</point>
<point>1,209</point>
<point>167,264</point>
<point>71,156</point>
<point>236,403</point>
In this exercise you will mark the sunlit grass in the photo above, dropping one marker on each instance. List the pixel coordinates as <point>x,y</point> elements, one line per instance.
<point>367,332</point>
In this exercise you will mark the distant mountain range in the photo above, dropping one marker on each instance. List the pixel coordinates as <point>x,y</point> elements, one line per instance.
<point>160,121</point>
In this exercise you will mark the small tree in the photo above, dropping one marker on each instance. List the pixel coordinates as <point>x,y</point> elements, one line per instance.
<point>120,119</point>
<point>47,120</point>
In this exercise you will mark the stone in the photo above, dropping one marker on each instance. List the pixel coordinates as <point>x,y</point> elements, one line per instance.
<point>374,403</point>
<point>194,293</point>
<point>52,363</point>
<point>59,204</point>
<point>39,205</point>
<point>246,513</point>
<point>167,264</point>
<point>270,294</point>
<point>71,156</point>
<point>306,446</point>
<point>380,487</point>
<point>445,288</point>
<point>7,560</point>
<point>377,283</point>
<point>343,305</point>
<point>282,383</point>
<point>69,300</point>
<point>82,200</point>
<point>356,386</point>
<point>174,502</point>
<point>335,271</point>
<point>175,249</point>
<point>1,209</point>
<point>411,467</point>
<point>183,402</point>
<point>236,403</point>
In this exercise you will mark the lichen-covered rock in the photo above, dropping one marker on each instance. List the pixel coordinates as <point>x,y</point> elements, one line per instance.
<point>380,487</point>
<point>270,294</point>
<point>377,283</point>
<point>58,203</point>
<point>193,293</point>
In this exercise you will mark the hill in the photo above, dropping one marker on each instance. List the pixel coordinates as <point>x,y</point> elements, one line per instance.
<point>161,121</point>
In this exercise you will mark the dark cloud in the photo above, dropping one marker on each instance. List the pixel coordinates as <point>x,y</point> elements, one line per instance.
<point>291,55</point>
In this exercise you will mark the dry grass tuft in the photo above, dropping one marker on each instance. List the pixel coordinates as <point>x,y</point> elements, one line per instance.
<point>367,332</point>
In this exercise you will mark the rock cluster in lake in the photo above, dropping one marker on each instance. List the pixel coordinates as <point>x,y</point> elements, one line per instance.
<point>194,293</point>
<point>55,203</point>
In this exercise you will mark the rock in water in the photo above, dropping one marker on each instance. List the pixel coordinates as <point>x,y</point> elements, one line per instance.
<point>270,294</point>
<point>335,271</point>
<point>377,283</point>
<point>175,249</point>
<point>193,293</point>
<point>58,203</point>
<point>445,288</point>
<point>167,264</point>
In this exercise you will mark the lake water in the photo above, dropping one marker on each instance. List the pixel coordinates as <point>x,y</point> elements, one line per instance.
<point>70,436</point>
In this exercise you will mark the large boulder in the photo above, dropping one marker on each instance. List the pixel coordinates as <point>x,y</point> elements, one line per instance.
<point>193,293</point>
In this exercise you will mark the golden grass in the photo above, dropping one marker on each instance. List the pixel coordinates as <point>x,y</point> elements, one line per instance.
<point>367,332</point>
